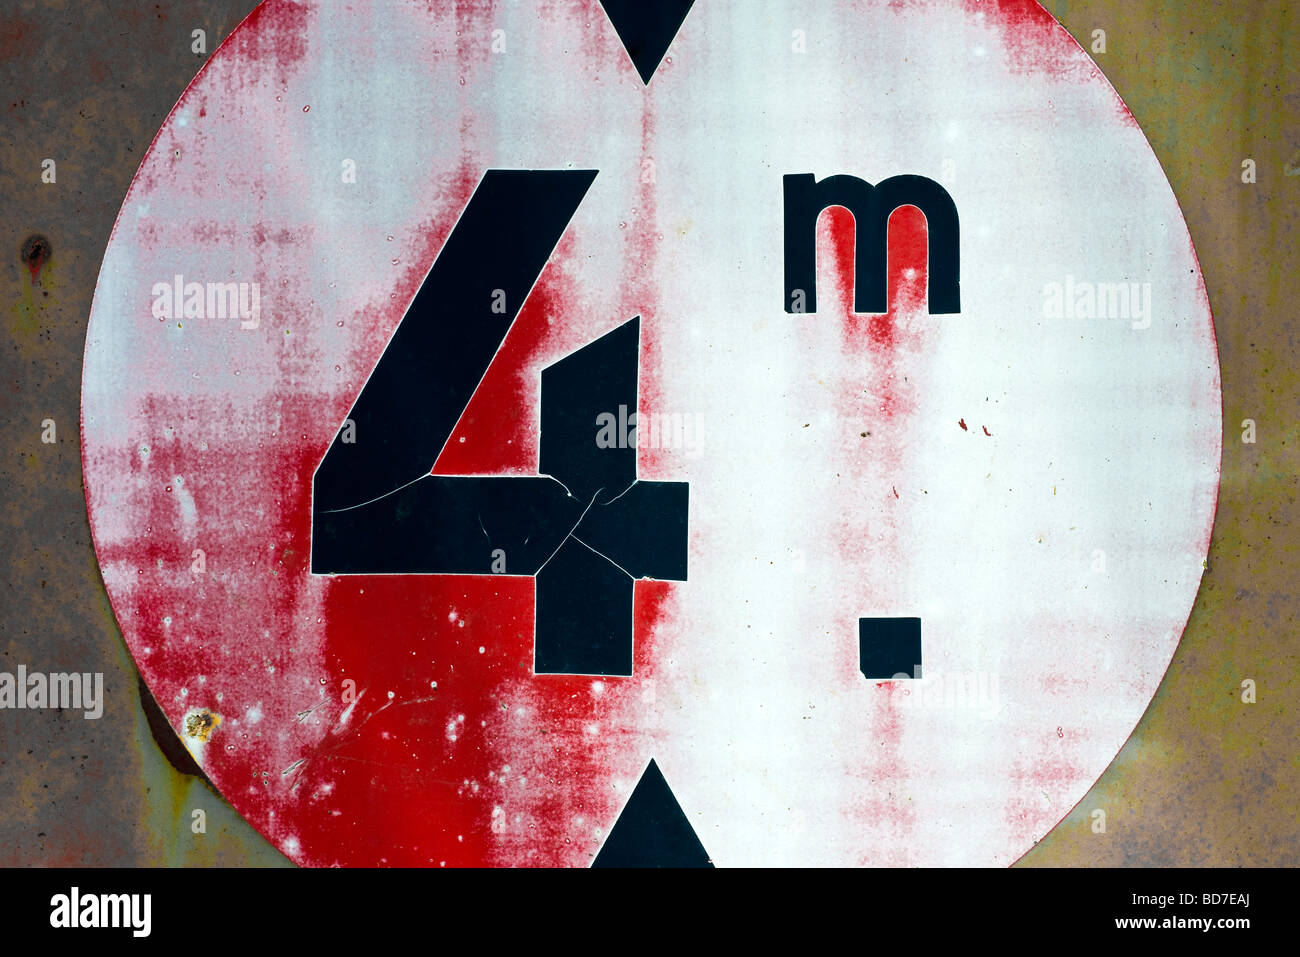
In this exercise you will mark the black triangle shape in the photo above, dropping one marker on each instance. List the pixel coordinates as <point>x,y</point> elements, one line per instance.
<point>652,831</point>
<point>646,28</point>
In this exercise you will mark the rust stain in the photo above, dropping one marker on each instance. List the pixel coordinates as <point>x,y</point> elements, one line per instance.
<point>161,730</point>
<point>201,724</point>
<point>35,254</point>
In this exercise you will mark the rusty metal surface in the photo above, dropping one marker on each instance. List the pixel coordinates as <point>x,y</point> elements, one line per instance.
<point>1206,779</point>
<point>87,85</point>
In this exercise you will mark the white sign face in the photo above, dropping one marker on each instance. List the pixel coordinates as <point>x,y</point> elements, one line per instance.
<point>877,587</point>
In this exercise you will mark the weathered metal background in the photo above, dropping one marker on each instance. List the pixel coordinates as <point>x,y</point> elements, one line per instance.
<point>1205,779</point>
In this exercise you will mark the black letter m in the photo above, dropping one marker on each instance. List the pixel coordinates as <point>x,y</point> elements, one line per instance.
<point>871,206</point>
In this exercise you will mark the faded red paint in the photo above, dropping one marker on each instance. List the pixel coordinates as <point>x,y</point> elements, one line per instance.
<point>499,431</point>
<point>407,779</point>
<point>884,770</point>
<point>430,759</point>
<point>1031,35</point>
<point>640,295</point>
<point>277,32</point>
<point>1037,44</point>
<point>881,340</point>
<point>874,394</point>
